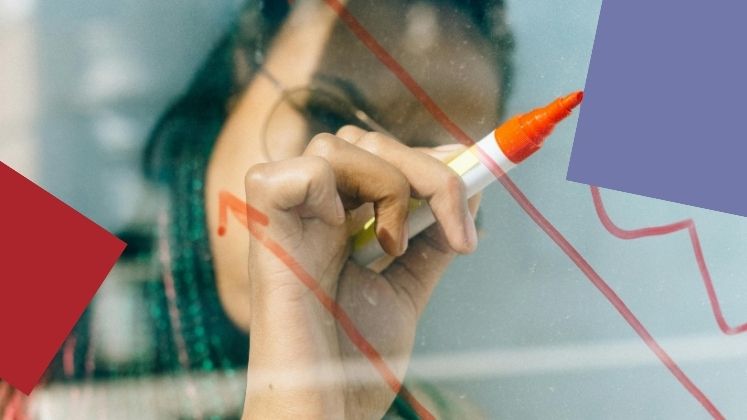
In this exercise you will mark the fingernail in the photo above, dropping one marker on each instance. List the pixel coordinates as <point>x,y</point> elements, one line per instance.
<point>470,232</point>
<point>449,147</point>
<point>405,238</point>
<point>340,210</point>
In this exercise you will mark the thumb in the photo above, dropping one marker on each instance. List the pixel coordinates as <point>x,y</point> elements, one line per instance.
<point>418,270</point>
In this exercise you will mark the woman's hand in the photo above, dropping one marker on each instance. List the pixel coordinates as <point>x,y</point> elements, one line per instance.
<point>301,363</point>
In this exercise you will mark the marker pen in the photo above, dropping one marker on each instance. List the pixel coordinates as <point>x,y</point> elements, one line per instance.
<point>508,145</point>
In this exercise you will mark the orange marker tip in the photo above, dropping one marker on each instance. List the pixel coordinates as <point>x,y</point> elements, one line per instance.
<point>571,101</point>
<point>221,230</point>
<point>524,134</point>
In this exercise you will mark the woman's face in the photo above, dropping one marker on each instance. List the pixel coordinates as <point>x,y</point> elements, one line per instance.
<point>439,48</point>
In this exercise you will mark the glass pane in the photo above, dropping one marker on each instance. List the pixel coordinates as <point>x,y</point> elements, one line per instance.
<point>145,116</point>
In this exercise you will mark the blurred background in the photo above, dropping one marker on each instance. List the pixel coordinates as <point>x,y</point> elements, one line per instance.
<point>515,328</point>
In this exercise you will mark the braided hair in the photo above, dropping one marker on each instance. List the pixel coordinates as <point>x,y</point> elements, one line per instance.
<point>190,328</point>
<point>179,148</point>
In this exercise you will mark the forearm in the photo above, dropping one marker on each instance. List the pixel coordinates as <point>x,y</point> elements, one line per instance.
<point>290,372</point>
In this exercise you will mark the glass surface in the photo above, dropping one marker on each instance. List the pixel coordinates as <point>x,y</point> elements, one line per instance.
<point>516,329</point>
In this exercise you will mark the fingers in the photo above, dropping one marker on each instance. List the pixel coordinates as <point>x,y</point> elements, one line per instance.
<point>299,187</point>
<point>417,272</point>
<point>376,169</point>
<point>350,133</point>
<point>430,179</point>
<point>364,177</point>
<point>444,153</point>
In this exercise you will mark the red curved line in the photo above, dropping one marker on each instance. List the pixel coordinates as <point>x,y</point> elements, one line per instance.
<point>687,224</point>
<point>408,81</point>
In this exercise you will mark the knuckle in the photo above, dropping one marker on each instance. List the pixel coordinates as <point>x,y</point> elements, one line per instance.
<point>316,168</point>
<point>401,188</point>
<point>453,184</point>
<point>374,142</point>
<point>318,177</point>
<point>257,176</point>
<point>348,129</point>
<point>315,173</point>
<point>323,144</point>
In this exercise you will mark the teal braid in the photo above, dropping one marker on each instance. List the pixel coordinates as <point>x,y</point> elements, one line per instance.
<point>176,158</point>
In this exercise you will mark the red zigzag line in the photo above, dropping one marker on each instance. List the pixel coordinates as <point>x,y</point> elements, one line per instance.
<point>687,224</point>
<point>409,82</point>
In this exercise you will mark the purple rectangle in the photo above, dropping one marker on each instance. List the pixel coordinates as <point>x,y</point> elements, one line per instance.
<point>664,112</point>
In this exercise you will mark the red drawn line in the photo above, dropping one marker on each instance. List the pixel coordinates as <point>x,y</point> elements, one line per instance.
<point>688,224</point>
<point>240,210</point>
<point>599,283</point>
<point>251,218</point>
<point>368,40</point>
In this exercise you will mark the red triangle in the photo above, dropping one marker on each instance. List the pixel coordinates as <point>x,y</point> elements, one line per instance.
<point>52,261</point>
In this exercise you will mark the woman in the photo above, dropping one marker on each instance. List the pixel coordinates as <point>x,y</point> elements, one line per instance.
<point>293,114</point>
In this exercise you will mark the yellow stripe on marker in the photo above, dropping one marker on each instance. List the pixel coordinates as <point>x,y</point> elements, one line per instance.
<point>460,164</point>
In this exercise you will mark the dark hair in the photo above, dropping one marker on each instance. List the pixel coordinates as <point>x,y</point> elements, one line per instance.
<point>181,143</point>
<point>176,156</point>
